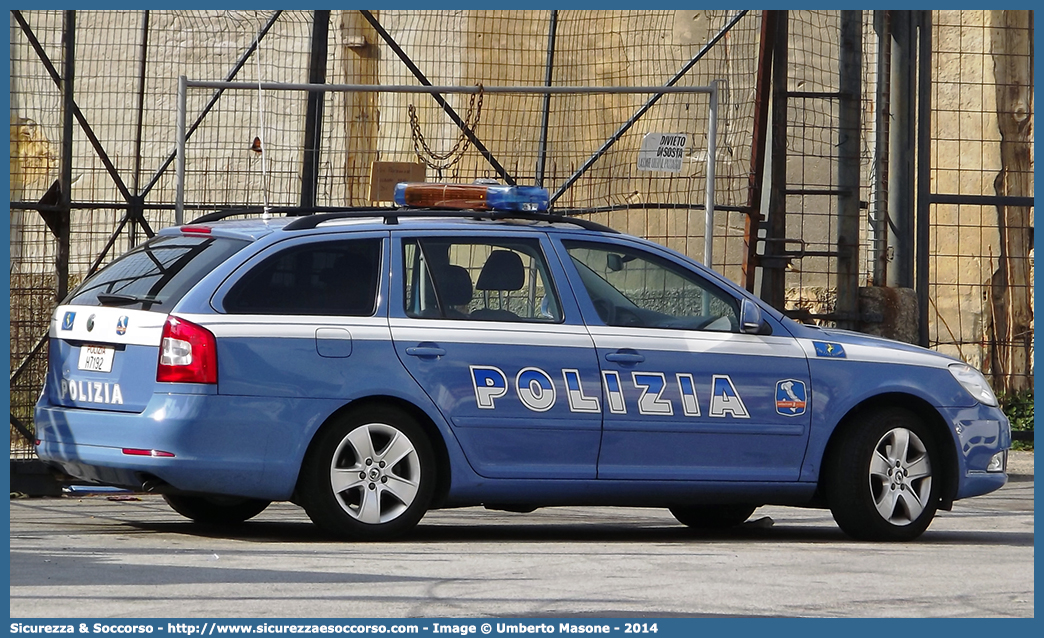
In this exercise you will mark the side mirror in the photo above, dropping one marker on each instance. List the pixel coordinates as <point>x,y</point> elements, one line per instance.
<point>615,263</point>
<point>751,321</point>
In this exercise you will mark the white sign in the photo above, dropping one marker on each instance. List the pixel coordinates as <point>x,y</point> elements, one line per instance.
<point>662,152</point>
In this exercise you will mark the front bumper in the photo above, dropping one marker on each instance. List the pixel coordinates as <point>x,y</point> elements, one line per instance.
<point>979,433</point>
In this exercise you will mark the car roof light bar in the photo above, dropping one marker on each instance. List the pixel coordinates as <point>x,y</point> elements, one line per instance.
<point>472,196</point>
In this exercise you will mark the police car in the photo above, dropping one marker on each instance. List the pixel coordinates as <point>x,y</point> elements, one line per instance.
<point>373,365</point>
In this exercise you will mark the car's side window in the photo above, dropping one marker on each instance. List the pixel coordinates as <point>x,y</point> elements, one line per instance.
<point>630,287</point>
<point>482,280</point>
<point>335,278</point>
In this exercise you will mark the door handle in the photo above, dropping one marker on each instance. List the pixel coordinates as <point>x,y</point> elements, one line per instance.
<point>425,351</point>
<point>625,356</point>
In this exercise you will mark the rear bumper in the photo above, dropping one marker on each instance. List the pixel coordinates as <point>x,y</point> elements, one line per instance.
<point>242,446</point>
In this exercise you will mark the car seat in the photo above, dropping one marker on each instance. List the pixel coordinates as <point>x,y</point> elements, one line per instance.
<point>455,289</point>
<point>502,272</point>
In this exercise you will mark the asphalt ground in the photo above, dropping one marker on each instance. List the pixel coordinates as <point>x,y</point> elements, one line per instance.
<point>130,556</point>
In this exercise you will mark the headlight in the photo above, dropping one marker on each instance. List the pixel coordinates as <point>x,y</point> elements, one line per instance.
<point>976,384</point>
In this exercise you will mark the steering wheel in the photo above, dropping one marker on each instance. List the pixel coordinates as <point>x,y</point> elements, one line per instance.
<point>613,315</point>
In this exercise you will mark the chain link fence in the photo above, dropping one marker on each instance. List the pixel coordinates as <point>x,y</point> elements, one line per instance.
<point>981,295</point>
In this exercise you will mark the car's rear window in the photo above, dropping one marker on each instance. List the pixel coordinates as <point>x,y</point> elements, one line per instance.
<point>156,274</point>
<point>331,278</point>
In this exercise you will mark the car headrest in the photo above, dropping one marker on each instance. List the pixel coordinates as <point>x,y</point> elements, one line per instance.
<point>454,286</point>
<point>503,270</point>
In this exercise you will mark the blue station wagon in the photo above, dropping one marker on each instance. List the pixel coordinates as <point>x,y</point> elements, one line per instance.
<point>371,365</point>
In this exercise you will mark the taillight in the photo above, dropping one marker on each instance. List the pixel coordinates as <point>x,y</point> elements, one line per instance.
<point>188,353</point>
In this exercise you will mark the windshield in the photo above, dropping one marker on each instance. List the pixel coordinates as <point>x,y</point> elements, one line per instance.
<point>157,273</point>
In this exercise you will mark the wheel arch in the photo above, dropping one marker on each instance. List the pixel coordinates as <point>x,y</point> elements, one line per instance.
<point>924,410</point>
<point>438,443</point>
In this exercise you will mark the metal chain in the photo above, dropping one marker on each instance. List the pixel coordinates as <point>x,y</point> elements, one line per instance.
<point>441,161</point>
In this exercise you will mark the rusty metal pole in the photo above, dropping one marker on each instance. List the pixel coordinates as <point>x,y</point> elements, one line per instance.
<point>708,200</point>
<point>135,207</point>
<point>68,107</point>
<point>850,69</point>
<point>752,221</point>
<point>878,230</point>
<point>900,272</point>
<point>313,132</point>
<point>773,267</point>
<point>924,173</point>
<point>552,31</point>
<point>180,139</point>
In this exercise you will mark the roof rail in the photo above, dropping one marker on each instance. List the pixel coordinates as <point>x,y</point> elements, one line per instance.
<point>286,211</point>
<point>392,215</point>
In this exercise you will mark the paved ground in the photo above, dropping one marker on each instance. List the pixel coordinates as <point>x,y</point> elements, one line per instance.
<point>1020,464</point>
<point>91,556</point>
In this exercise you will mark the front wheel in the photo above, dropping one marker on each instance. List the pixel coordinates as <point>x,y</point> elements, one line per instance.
<point>369,475</point>
<point>216,509</point>
<point>880,483</point>
<point>712,516</point>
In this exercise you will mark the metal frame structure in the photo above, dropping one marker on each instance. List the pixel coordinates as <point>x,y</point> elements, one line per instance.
<point>183,133</point>
<point>133,187</point>
<point>776,258</point>
<point>56,208</point>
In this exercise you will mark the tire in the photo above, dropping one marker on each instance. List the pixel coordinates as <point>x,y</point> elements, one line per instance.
<point>370,475</point>
<point>712,516</point>
<point>216,509</point>
<point>879,481</point>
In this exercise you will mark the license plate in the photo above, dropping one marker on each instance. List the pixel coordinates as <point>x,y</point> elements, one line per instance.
<point>96,358</point>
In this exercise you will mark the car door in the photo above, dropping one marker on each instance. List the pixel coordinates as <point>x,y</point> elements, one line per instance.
<point>501,350</point>
<point>687,394</point>
<point>303,318</point>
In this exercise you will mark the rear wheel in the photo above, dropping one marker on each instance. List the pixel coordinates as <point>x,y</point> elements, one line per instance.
<point>712,516</point>
<point>369,475</point>
<point>880,483</point>
<point>216,509</point>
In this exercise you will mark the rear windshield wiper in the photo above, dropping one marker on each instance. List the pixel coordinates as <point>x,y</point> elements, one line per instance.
<point>113,299</point>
